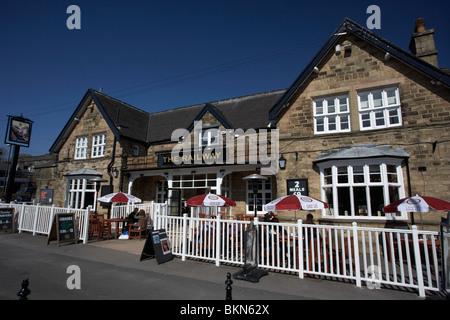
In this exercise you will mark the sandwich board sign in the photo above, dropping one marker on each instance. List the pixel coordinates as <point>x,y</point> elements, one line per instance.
<point>7,219</point>
<point>63,229</point>
<point>157,246</point>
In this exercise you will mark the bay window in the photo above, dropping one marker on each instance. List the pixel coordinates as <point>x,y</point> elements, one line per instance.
<point>81,194</point>
<point>361,188</point>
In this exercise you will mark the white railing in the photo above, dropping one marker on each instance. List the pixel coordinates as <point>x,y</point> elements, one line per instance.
<point>151,210</point>
<point>38,219</point>
<point>374,256</point>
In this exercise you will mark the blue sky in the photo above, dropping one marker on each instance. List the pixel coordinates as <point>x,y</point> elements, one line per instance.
<point>158,55</point>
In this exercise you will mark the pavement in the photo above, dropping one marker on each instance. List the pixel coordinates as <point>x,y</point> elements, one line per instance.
<point>112,270</point>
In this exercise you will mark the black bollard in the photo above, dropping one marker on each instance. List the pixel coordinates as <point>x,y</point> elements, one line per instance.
<point>228,282</point>
<point>24,292</point>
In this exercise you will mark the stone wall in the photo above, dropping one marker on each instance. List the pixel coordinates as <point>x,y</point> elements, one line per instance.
<point>424,134</point>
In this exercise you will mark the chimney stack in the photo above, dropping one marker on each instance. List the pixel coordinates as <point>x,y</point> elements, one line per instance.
<point>422,43</point>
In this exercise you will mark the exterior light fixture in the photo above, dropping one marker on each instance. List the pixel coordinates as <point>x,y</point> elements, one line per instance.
<point>282,162</point>
<point>115,172</point>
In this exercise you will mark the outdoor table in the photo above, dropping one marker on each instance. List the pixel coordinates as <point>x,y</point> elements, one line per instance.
<point>116,221</point>
<point>403,246</point>
<point>338,252</point>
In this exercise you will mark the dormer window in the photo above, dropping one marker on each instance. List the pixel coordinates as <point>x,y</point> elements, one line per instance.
<point>209,136</point>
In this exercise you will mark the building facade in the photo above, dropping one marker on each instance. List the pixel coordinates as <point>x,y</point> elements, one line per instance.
<point>364,124</point>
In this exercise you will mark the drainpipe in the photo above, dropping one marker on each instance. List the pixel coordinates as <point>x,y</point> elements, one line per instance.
<point>409,188</point>
<point>110,165</point>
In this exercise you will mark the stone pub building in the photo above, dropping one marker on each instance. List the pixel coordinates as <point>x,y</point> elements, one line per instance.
<point>364,124</point>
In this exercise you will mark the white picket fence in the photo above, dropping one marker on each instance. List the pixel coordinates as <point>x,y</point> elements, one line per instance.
<point>373,256</point>
<point>38,219</point>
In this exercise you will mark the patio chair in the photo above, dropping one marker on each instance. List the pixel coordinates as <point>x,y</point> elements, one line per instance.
<point>104,227</point>
<point>94,228</point>
<point>135,230</point>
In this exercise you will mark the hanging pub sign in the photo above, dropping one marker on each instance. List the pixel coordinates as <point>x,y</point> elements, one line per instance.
<point>18,131</point>
<point>7,219</point>
<point>297,186</point>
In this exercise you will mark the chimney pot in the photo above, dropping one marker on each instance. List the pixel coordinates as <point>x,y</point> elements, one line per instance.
<point>422,43</point>
<point>420,25</point>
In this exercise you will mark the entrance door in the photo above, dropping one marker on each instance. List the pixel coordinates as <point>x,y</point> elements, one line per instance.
<point>174,201</point>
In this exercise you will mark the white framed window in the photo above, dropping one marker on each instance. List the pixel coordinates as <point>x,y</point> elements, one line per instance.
<point>195,181</point>
<point>379,109</point>
<point>98,145</point>
<point>81,145</point>
<point>331,115</point>
<point>81,194</point>
<point>209,136</point>
<point>263,196</point>
<point>360,189</point>
<point>161,186</point>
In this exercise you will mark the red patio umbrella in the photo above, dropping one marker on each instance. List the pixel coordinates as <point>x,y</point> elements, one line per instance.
<point>417,204</point>
<point>210,200</point>
<point>119,197</point>
<point>295,202</point>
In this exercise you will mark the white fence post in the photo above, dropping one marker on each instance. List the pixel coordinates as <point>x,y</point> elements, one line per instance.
<point>300,249</point>
<point>52,216</point>
<point>36,215</point>
<point>356,255</point>
<point>415,237</point>
<point>184,241</point>
<point>86,225</point>
<point>22,213</point>
<point>218,221</point>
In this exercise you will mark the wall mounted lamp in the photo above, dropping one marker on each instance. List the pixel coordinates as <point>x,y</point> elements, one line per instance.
<point>282,162</point>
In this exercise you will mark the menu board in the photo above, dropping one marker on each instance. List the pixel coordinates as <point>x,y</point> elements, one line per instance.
<point>64,228</point>
<point>7,219</point>
<point>157,246</point>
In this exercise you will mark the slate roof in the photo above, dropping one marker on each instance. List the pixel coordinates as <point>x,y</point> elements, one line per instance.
<point>130,122</point>
<point>361,151</point>
<point>240,113</point>
<point>244,112</point>
<point>252,111</point>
